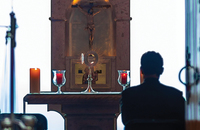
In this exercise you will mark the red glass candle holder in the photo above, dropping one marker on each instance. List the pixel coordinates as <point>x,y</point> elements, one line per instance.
<point>59,79</point>
<point>124,78</point>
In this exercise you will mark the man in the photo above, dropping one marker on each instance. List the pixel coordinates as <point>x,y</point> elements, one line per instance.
<point>152,104</point>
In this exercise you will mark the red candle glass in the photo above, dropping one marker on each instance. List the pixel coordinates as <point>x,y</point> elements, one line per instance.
<point>59,78</point>
<point>123,78</point>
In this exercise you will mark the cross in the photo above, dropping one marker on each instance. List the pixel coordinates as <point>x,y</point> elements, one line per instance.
<point>90,18</point>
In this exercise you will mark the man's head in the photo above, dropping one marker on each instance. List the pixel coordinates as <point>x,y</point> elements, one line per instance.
<point>151,63</point>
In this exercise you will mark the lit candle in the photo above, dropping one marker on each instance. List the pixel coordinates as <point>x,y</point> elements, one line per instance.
<point>34,80</point>
<point>59,78</point>
<point>123,78</point>
<point>141,77</point>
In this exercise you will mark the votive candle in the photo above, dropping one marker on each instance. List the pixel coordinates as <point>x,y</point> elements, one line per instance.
<point>59,78</point>
<point>123,78</point>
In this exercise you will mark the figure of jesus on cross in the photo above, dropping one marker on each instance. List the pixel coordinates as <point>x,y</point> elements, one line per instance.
<point>90,18</point>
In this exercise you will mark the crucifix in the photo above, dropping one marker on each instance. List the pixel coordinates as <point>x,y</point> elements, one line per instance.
<point>90,18</point>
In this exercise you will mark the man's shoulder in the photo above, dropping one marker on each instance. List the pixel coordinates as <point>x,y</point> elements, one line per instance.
<point>132,89</point>
<point>161,87</point>
<point>171,89</point>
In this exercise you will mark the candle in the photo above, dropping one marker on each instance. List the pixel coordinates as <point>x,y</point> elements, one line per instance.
<point>123,78</point>
<point>59,78</point>
<point>34,80</point>
<point>141,77</point>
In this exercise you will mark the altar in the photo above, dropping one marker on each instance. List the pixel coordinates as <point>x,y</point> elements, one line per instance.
<point>80,111</point>
<point>90,45</point>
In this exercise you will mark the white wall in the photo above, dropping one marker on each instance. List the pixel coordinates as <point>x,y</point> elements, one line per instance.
<point>156,25</point>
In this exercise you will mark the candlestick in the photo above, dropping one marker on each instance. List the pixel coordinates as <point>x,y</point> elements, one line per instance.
<point>34,80</point>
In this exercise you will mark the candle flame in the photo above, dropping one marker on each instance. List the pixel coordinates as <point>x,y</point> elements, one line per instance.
<point>75,2</point>
<point>35,68</point>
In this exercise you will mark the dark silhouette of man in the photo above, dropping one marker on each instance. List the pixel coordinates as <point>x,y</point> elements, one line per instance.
<point>151,102</point>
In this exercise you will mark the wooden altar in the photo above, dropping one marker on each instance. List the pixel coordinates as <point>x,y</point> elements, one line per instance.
<point>81,27</point>
<point>81,111</point>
